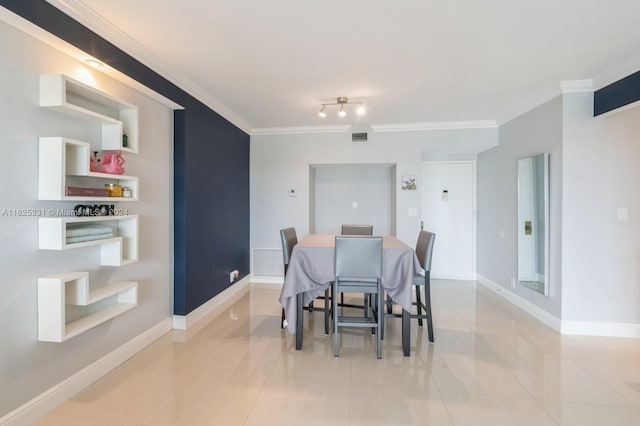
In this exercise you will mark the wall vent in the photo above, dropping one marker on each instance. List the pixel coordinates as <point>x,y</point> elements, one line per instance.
<point>360,137</point>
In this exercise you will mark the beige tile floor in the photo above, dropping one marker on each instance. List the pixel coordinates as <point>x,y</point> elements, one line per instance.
<point>491,364</point>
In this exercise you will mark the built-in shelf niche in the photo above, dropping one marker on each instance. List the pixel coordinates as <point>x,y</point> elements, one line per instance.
<point>74,98</point>
<point>55,292</point>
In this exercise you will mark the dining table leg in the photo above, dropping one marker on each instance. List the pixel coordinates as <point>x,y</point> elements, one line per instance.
<point>299,320</point>
<point>406,333</point>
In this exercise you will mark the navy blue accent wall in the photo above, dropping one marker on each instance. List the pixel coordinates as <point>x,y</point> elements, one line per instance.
<point>217,159</point>
<point>211,169</point>
<point>616,95</point>
<point>179,213</point>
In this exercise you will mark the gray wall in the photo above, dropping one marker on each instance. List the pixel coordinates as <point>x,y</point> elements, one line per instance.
<point>537,131</point>
<point>601,266</point>
<point>337,188</point>
<point>29,367</point>
<point>281,162</point>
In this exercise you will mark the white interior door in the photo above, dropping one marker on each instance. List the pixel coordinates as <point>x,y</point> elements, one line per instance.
<point>448,206</point>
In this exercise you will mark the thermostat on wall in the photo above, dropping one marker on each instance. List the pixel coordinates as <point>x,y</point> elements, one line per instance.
<point>292,193</point>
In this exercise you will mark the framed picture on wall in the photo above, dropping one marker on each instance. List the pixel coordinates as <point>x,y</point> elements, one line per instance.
<point>409,183</point>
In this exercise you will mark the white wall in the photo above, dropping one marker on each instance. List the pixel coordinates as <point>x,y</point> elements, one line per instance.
<point>29,367</point>
<point>601,262</point>
<point>281,162</point>
<point>535,132</point>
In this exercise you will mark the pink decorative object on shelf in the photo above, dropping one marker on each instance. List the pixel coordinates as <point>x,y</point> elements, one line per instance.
<point>113,163</point>
<point>94,163</point>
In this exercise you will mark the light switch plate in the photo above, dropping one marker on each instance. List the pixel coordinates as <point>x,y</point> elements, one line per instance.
<point>413,211</point>
<point>623,214</point>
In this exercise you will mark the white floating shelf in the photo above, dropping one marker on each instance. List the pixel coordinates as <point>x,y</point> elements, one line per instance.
<point>60,158</point>
<point>72,288</point>
<point>76,99</point>
<point>122,249</point>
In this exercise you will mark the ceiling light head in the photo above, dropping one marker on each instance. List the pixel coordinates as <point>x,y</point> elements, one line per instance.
<point>341,101</point>
<point>94,63</point>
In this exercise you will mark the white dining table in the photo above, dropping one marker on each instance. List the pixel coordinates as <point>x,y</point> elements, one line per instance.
<point>311,270</point>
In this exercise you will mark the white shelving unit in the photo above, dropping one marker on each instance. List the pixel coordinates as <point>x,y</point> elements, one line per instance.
<point>122,249</point>
<point>55,292</point>
<point>62,158</point>
<point>76,99</point>
<point>66,162</point>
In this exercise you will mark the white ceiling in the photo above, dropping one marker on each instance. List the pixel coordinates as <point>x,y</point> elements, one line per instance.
<point>270,64</point>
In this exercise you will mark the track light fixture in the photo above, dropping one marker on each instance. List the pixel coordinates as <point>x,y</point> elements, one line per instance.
<point>342,101</point>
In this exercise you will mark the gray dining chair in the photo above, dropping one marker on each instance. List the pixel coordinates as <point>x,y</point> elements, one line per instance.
<point>424,251</point>
<point>357,230</point>
<point>289,239</point>
<point>358,269</point>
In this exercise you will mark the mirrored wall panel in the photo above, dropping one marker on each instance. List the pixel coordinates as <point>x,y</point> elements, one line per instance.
<point>533,222</point>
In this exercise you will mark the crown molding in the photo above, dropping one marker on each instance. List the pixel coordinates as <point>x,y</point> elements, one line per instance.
<point>616,73</point>
<point>435,125</point>
<point>576,86</point>
<point>378,128</point>
<point>86,16</point>
<point>299,130</point>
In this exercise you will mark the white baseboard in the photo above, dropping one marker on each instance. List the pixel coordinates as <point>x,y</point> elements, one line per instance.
<point>449,277</point>
<point>607,329</point>
<point>580,328</point>
<point>39,406</point>
<point>267,280</point>
<point>213,306</point>
<point>538,313</point>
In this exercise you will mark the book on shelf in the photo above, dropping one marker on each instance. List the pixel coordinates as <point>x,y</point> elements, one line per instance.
<point>79,191</point>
